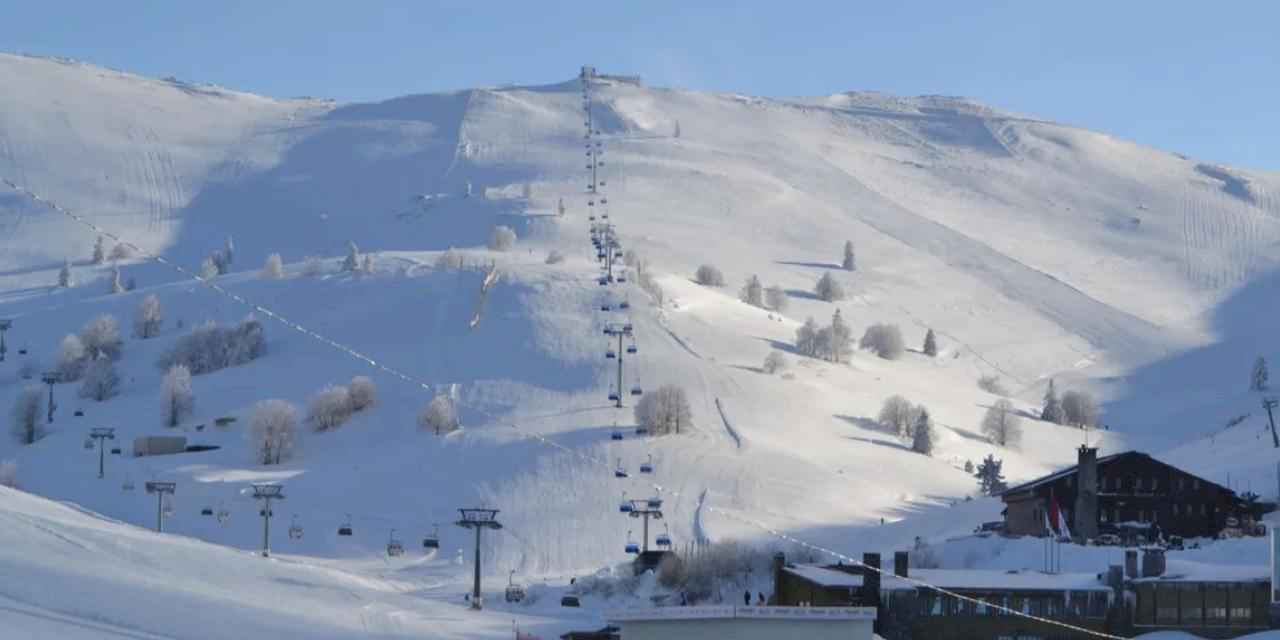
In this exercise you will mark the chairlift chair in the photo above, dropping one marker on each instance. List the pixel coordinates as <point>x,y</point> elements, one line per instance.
<point>624,305</point>
<point>79,413</point>
<point>664,538</point>
<point>115,451</point>
<point>613,395</point>
<point>620,472</point>
<point>636,390</point>
<point>631,348</point>
<point>642,430</point>
<point>603,281</point>
<point>610,354</point>
<point>625,505</point>
<point>394,548</point>
<point>432,541</point>
<point>631,546</point>
<point>514,592</point>
<point>647,466</point>
<point>604,307</point>
<point>295,529</point>
<point>207,511</point>
<point>616,435</point>
<point>345,528</point>
<point>22,351</point>
<point>654,502</point>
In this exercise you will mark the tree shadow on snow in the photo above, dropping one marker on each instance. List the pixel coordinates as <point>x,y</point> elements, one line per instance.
<point>810,265</point>
<point>802,294</point>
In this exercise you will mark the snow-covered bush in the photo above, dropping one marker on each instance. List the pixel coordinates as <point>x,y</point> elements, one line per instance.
<point>9,474</point>
<point>554,257</point>
<point>828,288</point>
<point>146,323</point>
<point>101,381</point>
<point>71,358</point>
<point>1080,409</point>
<point>27,407</point>
<point>208,269</point>
<point>363,393</point>
<point>775,298</point>
<point>439,415</point>
<point>503,238</point>
<point>210,347</point>
<point>273,268</point>
<point>884,339</point>
<point>101,337</point>
<point>992,384</point>
<point>664,411</point>
<point>897,415</point>
<point>329,408</point>
<point>273,430</point>
<point>121,252</point>
<point>709,276</point>
<point>1002,425</point>
<point>177,400</point>
<point>774,362</point>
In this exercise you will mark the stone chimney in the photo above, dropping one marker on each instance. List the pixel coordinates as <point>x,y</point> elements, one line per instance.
<point>901,563</point>
<point>1085,525</point>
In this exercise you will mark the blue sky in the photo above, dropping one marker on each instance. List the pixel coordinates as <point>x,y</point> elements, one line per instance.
<point>1197,78</point>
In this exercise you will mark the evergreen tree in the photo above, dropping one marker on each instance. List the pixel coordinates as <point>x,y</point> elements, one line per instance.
<point>1052,411</point>
<point>841,339</point>
<point>753,292</point>
<point>1258,381</point>
<point>64,275</point>
<point>807,338</point>
<point>560,207</point>
<point>99,251</point>
<point>849,263</point>
<point>828,289</point>
<point>229,252</point>
<point>930,344</point>
<point>352,262</point>
<point>922,435</point>
<point>990,476</point>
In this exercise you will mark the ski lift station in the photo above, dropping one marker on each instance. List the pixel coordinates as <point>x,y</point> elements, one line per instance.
<point>745,623</point>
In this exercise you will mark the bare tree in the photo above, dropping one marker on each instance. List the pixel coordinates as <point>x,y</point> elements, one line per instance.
<point>884,339</point>
<point>774,362</point>
<point>177,400</point>
<point>807,338</point>
<point>147,322</point>
<point>27,407</point>
<point>776,298</point>
<point>1080,409</point>
<point>897,414</point>
<point>1002,425</point>
<point>828,288</point>
<point>840,343</point>
<point>753,292</point>
<point>273,430</point>
<point>503,238</point>
<point>273,268</point>
<point>329,408</point>
<point>101,381</point>
<point>709,276</point>
<point>364,393</point>
<point>440,415</point>
<point>664,411</point>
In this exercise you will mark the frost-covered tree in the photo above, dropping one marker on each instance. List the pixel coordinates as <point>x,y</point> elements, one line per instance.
<point>828,288</point>
<point>840,339</point>
<point>27,407</point>
<point>147,321</point>
<point>991,384</point>
<point>116,285</point>
<point>273,430</point>
<point>64,275</point>
<point>273,268</point>
<point>1002,425</point>
<point>101,337</point>
<point>1080,409</point>
<point>363,393</point>
<point>1258,380</point>
<point>208,269</point>
<point>807,338</point>
<point>210,347</point>
<point>121,251</point>
<point>352,261</point>
<point>896,415</point>
<point>753,292</point>
<point>922,434</point>
<point>884,339</point>
<point>99,251</point>
<point>503,238</point>
<point>449,260</point>
<point>101,381</point>
<point>990,476</point>
<point>440,415</point>
<point>177,399</point>
<point>774,362</point>
<point>968,466</point>
<point>554,257</point>
<point>930,344</point>
<point>229,252</point>
<point>312,266</point>
<point>849,263</point>
<point>664,411</point>
<point>329,408</point>
<point>72,358</point>
<point>366,263</point>
<point>775,298</point>
<point>1052,410</point>
<point>709,276</point>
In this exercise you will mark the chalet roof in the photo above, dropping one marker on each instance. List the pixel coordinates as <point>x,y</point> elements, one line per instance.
<point>980,580</point>
<point>824,577</point>
<point>1062,473</point>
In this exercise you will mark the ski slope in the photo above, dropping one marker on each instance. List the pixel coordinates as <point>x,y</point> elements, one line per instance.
<point>1035,250</point>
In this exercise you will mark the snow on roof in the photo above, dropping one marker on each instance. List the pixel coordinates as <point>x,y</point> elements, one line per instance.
<point>1183,571</point>
<point>975,579</point>
<point>728,612</point>
<point>1060,474</point>
<point>825,577</point>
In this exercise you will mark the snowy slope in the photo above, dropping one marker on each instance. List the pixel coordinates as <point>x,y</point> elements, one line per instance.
<point>1034,249</point>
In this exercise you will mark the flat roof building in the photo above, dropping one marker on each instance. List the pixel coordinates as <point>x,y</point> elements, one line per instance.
<point>744,623</point>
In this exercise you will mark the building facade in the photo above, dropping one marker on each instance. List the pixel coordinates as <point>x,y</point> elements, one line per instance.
<point>744,623</point>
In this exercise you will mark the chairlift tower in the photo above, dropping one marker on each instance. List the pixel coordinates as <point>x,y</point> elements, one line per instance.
<point>160,488</point>
<point>645,509</point>
<point>479,520</point>
<point>5,325</point>
<point>619,330</point>
<point>51,378</point>
<point>266,492</point>
<point>1269,404</point>
<point>102,434</point>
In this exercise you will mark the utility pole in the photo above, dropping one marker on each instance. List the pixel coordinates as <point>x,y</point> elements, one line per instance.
<point>5,325</point>
<point>102,435</point>
<point>51,378</point>
<point>160,488</point>
<point>266,492</point>
<point>645,509</point>
<point>478,519</point>
<point>1269,404</point>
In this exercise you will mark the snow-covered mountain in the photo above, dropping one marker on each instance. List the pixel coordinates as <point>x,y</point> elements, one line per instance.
<point>1035,250</point>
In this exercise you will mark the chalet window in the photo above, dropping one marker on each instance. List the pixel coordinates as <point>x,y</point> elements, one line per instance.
<point>1137,484</point>
<point>1215,604</point>
<point>1155,483</point>
<point>1098,602</point>
<point>1166,604</point>
<point>1175,510</point>
<point>1241,608</point>
<point>1102,515</point>
<point>1191,601</point>
<point>1195,484</point>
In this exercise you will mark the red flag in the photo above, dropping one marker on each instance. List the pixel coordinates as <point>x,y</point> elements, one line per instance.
<point>1055,517</point>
